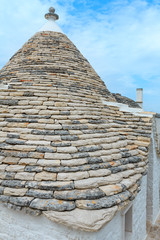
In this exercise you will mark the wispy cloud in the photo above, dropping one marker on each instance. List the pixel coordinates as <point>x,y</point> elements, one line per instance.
<point>119,38</point>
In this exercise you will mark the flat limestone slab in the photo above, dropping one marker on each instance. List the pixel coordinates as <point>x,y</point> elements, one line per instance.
<point>85,220</point>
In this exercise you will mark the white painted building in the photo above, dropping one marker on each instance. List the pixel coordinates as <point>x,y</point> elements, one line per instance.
<point>73,160</point>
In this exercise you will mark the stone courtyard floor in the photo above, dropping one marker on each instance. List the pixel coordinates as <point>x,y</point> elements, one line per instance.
<point>154,233</point>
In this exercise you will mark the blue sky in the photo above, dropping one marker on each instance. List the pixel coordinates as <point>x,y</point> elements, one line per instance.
<point>121,39</point>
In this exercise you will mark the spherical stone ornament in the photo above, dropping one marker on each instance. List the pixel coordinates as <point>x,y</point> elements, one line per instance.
<point>51,15</point>
<point>52,10</point>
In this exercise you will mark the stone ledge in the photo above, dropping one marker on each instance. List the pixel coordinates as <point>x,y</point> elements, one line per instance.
<point>85,220</point>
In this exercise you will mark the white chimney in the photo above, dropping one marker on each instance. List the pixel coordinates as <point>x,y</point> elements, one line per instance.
<point>139,99</point>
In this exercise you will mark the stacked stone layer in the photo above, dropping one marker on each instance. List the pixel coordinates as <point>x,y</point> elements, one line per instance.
<point>61,147</point>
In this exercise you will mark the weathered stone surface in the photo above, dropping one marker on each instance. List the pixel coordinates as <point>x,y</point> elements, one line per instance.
<point>21,201</point>
<point>3,167</point>
<point>97,181</point>
<point>52,204</point>
<point>12,206</point>
<point>74,162</point>
<point>99,173</point>
<point>11,160</point>
<point>89,149</point>
<point>45,149</point>
<point>45,176</point>
<point>28,161</point>
<point>15,141</point>
<point>111,189</point>
<point>33,212</point>
<point>15,168</point>
<point>60,144</point>
<point>105,202</point>
<point>15,191</point>
<point>39,193</point>
<point>24,176</point>
<point>4,198</point>
<point>9,102</point>
<point>13,183</point>
<point>1,190</point>
<point>58,185</point>
<point>79,194</point>
<point>67,149</point>
<point>57,156</point>
<point>49,163</point>
<point>33,169</point>
<point>84,220</point>
<point>70,138</point>
<point>9,175</point>
<point>92,160</point>
<point>72,176</point>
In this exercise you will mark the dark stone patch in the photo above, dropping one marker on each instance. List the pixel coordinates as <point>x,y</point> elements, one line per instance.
<point>134,159</point>
<point>119,122</point>
<point>33,212</point>
<point>80,155</point>
<point>124,161</point>
<point>67,113</point>
<point>44,149</point>
<point>21,201</point>
<point>52,204</point>
<point>49,185</point>
<point>15,142</point>
<point>31,184</point>
<point>1,190</point>
<point>3,145</point>
<point>125,154</point>
<point>10,175</point>
<point>13,183</point>
<point>61,132</point>
<point>11,135</point>
<point>143,149</point>
<point>28,94</point>
<point>21,120</point>
<point>13,154</point>
<point>85,167</point>
<point>125,100</point>
<point>61,169</point>
<point>70,138</point>
<point>79,194</point>
<point>76,122</point>
<point>94,131</point>
<point>122,138</point>
<point>92,121</point>
<point>9,102</point>
<point>39,194</point>
<point>36,116</point>
<point>4,198</point>
<point>60,144</point>
<point>89,149</point>
<point>94,160</point>
<point>33,169</point>
<point>116,169</point>
<point>12,206</point>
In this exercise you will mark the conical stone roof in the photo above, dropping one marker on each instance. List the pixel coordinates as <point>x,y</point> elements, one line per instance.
<point>62,149</point>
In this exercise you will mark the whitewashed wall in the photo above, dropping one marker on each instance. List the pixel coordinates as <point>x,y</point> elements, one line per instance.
<point>139,212</point>
<point>153,184</point>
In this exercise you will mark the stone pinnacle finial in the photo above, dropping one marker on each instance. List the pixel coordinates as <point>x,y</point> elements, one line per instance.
<point>51,15</point>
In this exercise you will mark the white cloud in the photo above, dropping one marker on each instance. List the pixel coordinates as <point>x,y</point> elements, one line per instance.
<point>119,38</point>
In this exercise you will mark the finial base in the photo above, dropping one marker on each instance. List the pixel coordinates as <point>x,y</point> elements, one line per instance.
<point>51,15</point>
